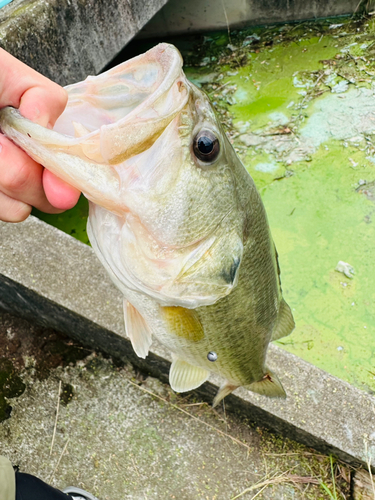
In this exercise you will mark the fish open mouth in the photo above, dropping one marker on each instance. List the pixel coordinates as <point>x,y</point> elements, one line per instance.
<point>132,102</point>
<point>108,119</point>
<point>115,115</point>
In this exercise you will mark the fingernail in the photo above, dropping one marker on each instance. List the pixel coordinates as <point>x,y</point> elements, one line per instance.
<point>40,119</point>
<point>35,115</point>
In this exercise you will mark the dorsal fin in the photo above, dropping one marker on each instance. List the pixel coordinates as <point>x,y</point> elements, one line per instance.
<point>269,385</point>
<point>137,330</point>
<point>285,322</point>
<point>185,377</point>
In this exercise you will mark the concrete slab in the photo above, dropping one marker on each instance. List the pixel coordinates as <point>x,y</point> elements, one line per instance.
<point>66,40</point>
<point>123,436</point>
<point>51,278</point>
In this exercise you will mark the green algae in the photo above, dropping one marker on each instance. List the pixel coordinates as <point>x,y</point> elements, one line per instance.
<point>72,221</point>
<point>318,218</point>
<point>266,87</point>
<point>67,394</point>
<point>298,105</point>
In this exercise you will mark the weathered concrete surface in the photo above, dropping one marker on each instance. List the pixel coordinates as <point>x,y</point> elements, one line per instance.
<point>66,40</point>
<point>196,16</point>
<point>120,442</point>
<point>55,280</point>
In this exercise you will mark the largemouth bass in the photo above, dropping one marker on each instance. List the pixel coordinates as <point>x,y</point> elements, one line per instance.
<point>175,219</point>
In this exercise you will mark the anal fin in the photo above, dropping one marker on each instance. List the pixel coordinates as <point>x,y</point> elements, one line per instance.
<point>269,385</point>
<point>185,377</point>
<point>285,322</point>
<point>137,330</point>
<point>224,390</point>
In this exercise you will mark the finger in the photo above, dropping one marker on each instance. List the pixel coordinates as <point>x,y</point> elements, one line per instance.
<point>13,210</point>
<point>21,177</point>
<point>38,98</point>
<point>43,105</point>
<point>42,101</point>
<point>58,192</point>
<point>44,108</point>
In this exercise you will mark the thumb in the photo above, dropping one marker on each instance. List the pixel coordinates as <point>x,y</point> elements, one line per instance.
<point>43,105</point>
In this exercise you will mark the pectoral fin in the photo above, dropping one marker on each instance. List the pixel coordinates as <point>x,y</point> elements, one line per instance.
<point>137,330</point>
<point>185,377</point>
<point>269,386</point>
<point>285,322</point>
<point>183,323</point>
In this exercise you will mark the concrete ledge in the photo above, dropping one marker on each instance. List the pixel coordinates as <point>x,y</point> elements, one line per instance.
<point>195,16</point>
<point>53,279</point>
<point>66,40</point>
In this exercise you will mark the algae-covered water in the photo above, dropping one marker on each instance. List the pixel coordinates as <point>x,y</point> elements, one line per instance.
<point>298,103</point>
<point>72,221</point>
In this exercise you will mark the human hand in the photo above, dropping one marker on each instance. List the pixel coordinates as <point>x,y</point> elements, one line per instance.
<point>23,182</point>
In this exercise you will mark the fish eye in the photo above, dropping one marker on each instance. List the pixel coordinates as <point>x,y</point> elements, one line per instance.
<point>206,146</point>
<point>212,356</point>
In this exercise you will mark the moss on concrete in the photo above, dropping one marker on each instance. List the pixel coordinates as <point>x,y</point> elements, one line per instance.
<point>35,349</point>
<point>124,443</point>
<point>67,394</point>
<point>11,386</point>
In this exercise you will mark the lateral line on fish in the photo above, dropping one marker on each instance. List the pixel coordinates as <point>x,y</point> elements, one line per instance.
<point>222,433</point>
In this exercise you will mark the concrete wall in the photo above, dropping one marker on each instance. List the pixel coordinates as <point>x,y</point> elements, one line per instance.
<point>204,15</point>
<point>66,40</point>
<point>50,278</point>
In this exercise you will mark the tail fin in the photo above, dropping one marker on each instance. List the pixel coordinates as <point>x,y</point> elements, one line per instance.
<point>269,386</point>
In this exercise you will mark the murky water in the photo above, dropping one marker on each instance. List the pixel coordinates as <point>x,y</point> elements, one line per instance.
<point>298,103</point>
